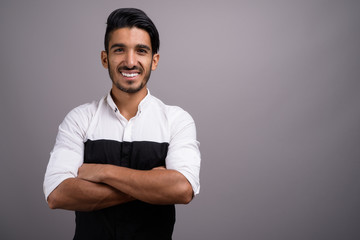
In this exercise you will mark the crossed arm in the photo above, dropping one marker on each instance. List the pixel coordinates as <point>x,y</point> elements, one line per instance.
<point>102,185</point>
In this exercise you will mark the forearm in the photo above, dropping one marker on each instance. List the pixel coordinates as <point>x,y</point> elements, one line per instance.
<point>156,186</point>
<point>81,195</point>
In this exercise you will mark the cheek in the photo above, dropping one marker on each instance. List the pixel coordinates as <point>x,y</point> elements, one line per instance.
<point>112,65</point>
<point>112,62</point>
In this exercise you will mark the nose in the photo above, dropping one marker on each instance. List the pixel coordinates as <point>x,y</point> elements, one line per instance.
<point>130,59</point>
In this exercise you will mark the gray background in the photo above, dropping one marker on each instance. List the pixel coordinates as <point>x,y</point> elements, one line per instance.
<point>272,85</point>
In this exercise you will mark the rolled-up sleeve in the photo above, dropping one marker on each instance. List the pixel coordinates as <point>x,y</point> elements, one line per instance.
<point>67,154</point>
<point>183,153</point>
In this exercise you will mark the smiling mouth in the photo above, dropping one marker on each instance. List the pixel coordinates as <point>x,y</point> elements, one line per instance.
<point>129,75</point>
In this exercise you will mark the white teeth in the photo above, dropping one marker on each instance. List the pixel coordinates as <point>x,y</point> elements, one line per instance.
<point>130,74</point>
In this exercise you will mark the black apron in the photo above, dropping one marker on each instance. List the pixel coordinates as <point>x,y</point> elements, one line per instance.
<point>133,220</point>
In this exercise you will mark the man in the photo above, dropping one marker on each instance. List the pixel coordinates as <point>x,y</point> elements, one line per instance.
<point>121,163</point>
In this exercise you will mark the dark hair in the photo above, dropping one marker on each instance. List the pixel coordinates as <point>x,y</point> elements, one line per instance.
<point>132,17</point>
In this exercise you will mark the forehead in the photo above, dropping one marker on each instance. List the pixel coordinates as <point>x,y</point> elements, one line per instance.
<point>130,36</point>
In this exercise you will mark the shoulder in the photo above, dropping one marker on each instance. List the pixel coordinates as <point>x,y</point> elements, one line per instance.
<point>81,115</point>
<point>83,111</point>
<point>173,113</point>
<point>176,117</point>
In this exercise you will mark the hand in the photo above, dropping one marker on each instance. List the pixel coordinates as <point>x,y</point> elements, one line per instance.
<point>91,172</point>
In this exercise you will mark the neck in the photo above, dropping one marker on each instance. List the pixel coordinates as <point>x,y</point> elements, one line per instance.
<point>128,103</point>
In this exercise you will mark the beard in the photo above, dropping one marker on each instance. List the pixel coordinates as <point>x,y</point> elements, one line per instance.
<point>130,89</point>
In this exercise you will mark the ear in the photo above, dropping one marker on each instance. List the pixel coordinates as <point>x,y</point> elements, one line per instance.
<point>155,61</point>
<point>104,59</point>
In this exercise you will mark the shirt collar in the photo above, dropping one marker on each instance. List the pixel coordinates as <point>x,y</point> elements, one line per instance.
<point>141,106</point>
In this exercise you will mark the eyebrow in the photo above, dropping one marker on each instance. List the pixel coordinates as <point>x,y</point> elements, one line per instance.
<point>123,45</point>
<point>117,45</point>
<point>143,46</point>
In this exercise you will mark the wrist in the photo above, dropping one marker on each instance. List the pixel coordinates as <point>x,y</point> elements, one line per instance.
<point>103,173</point>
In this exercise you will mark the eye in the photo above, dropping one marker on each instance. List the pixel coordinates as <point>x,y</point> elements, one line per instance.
<point>119,50</point>
<point>142,51</point>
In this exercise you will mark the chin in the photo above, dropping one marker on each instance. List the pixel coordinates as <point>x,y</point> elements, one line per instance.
<point>131,89</point>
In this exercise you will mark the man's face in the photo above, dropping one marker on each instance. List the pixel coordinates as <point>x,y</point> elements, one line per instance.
<point>129,59</point>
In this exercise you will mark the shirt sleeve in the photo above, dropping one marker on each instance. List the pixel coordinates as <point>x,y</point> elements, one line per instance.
<point>183,153</point>
<point>67,154</point>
